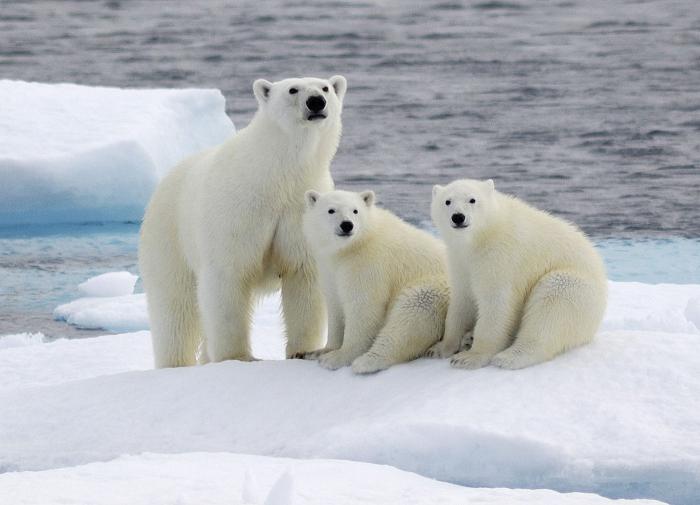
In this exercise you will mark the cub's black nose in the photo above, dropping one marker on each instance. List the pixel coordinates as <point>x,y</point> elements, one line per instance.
<point>458,218</point>
<point>346,226</point>
<point>316,103</point>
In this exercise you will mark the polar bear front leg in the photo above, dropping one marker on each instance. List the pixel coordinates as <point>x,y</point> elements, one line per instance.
<point>225,307</point>
<point>362,325</point>
<point>304,312</point>
<point>461,315</point>
<point>497,320</point>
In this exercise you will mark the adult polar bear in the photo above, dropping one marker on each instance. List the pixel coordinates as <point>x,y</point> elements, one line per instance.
<point>226,225</point>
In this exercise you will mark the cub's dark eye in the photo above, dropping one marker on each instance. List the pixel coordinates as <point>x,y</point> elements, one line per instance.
<point>354,211</point>
<point>325,89</point>
<point>293,91</point>
<point>331,211</point>
<point>448,202</point>
<point>472,201</point>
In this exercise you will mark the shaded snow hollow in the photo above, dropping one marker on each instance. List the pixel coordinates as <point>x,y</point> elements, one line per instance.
<point>81,153</point>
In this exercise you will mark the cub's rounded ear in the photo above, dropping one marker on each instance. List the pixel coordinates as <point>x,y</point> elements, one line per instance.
<point>340,85</point>
<point>490,184</point>
<point>436,189</point>
<point>261,90</point>
<point>311,198</point>
<point>368,197</point>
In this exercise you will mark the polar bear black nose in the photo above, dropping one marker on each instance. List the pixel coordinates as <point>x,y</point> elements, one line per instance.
<point>458,218</point>
<point>316,103</point>
<point>346,226</point>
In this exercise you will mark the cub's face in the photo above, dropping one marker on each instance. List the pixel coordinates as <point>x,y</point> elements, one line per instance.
<point>462,207</point>
<point>336,219</point>
<point>305,102</point>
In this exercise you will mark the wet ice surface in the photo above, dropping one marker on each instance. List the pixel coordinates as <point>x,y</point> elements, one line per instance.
<point>587,108</point>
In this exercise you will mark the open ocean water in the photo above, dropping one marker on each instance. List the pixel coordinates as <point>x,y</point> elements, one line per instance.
<point>587,108</point>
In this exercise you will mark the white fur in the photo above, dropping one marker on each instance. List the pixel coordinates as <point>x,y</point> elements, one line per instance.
<point>225,226</point>
<point>385,285</point>
<point>539,283</point>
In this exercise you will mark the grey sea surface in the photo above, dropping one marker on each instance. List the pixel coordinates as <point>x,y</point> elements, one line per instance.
<point>587,108</point>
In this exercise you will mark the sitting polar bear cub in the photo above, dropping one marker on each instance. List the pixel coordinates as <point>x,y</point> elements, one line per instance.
<point>225,226</point>
<point>539,284</point>
<point>384,281</point>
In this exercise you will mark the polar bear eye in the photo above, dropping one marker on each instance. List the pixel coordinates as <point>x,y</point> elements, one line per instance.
<point>331,211</point>
<point>448,202</point>
<point>472,201</point>
<point>293,91</point>
<point>325,89</point>
<point>354,211</point>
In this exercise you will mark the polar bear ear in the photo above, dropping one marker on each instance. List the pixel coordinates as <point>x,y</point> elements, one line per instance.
<point>436,189</point>
<point>489,184</point>
<point>368,197</point>
<point>339,85</point>
<point>261,89</point>
<point>311,198</point>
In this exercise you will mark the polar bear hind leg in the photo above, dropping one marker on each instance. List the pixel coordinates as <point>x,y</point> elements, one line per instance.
<point>416,321</point>
<point>172,307</point>
<point>563,311</point>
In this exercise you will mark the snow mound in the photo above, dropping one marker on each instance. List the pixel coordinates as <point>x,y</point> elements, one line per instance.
<point>109,284</point>
<point>118,313</point>
<point>219,478</point>
<point>73,153</point>
<point>653,307</point>
<point>21,340</point>
<point>617,417</point>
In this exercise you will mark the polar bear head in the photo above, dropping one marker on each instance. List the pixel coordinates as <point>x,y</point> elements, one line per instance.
<point>337,219</point>
<point>463,207</point>
<point>305,102</point>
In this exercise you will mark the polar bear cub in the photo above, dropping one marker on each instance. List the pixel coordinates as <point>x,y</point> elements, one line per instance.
<point>539,283</point>
<point>225,227</point>
<point>384,281</point>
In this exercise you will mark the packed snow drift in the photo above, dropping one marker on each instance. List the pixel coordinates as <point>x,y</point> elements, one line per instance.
<point>80,153</point>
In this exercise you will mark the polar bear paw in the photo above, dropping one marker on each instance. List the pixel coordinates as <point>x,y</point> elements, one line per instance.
<point>333,360</point>
<point>514,359</point>
<point>470,360</point>
<point>369,363</point>
<point>312,354</point>
<point>440,350</point>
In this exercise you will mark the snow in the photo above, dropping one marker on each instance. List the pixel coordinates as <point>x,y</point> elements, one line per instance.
<point>617,418</point>
<point>109,284</point>
<point>118,313</point>
<point>20,339</point>
<point>219,478</point>
<point>80,153</point>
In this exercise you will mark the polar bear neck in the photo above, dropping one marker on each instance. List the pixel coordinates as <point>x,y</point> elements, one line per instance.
<point>305,148</point>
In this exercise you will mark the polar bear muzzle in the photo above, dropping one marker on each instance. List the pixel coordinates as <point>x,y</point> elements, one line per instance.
<point>316,104</point>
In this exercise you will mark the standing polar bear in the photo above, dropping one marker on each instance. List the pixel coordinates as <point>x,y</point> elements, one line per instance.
<point>540,286</point>
<point>385,282</point>
<point>226,225</point>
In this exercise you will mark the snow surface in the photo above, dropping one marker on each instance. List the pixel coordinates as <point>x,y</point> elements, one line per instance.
<point>76,153</point>
<point>618,417</point>
<point>109,284</point>
<point>230,479</point>
<point>20,340</point>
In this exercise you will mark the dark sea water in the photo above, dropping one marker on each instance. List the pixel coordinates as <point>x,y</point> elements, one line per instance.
<point>587,108</point>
